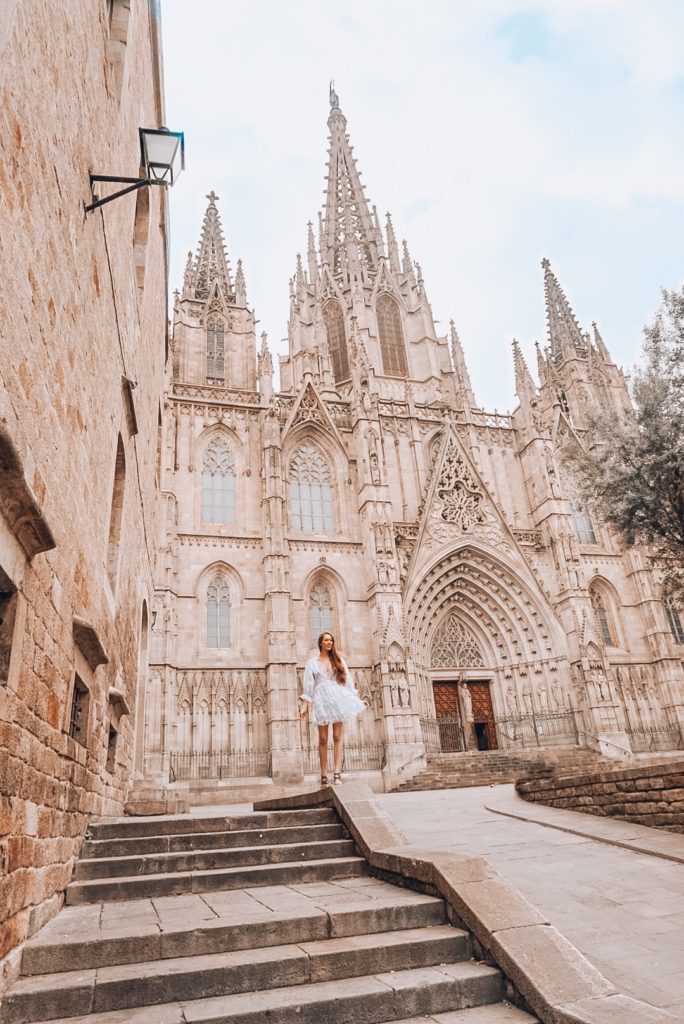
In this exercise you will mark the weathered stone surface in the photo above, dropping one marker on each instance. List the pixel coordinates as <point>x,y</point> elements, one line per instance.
<point>615,1009</point>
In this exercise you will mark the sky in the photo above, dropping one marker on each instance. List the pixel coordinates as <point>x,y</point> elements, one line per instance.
<point>497,133</point>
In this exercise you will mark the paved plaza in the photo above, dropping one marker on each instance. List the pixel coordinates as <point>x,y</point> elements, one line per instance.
<point>623,908</point>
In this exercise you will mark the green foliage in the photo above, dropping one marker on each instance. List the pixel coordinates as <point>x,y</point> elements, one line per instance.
<point>632,471</point>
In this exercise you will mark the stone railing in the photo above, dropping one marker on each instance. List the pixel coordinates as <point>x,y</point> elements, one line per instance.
<point>645,794</point>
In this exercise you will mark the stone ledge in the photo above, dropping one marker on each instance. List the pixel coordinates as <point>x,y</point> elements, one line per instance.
<point>556,981</point>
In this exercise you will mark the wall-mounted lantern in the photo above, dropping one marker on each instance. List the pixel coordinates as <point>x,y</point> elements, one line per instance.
<point>162,155</point>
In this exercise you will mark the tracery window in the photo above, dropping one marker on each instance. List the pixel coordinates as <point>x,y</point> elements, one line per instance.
<point>311,502</point>
<point>321,611</point>
<point>454,646</point>
<point>391,337</point>
<point>215,347</point>
<point>674,618</point>
<point>337,340</point>
<point>583,524</point>
<point>218,612</point>
<point>218,483</point>
<point>602,618</point>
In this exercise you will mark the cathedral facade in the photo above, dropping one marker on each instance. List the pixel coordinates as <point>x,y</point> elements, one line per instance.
<point>478,604</point>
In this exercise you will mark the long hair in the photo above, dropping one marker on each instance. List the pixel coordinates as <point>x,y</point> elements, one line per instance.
<point>335,660</point>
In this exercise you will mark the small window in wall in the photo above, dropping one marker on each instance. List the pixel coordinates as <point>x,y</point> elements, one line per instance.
<point>215,349</point>
<point>674,618</point>
<point>112,741</point>
<point>140,232</point>
<point>8,611</point>
<point>583,524</point>
<point>320,611</point>
<point>116,515</point>
<point>602,619</point>
<point>218,612</point>
<point>78,718</point>
<point>119,12</point>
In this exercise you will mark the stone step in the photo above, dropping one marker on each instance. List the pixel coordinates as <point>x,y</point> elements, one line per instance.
<point>224,974</point>
<point>369,999</point>
<point>207,860</point>
<point>57,948</point>
<point>93,849</point>
<point>134,887</point>
<point>127,828</point>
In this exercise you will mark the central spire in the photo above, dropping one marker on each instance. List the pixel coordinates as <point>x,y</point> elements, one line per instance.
<point>566,340</point>
<point>212,266</point>
<point>349,230</point>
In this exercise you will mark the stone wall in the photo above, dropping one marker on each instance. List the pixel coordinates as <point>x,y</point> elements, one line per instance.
<point>82,306</point>
<point>646,794</point>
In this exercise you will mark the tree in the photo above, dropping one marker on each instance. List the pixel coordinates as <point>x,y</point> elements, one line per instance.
<point>631,471</point>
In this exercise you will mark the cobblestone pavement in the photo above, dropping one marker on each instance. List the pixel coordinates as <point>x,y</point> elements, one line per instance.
<point>623,909</point>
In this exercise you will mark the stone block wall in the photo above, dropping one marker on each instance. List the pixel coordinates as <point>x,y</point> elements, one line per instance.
<point>82,306</point>
<point>645,794</point>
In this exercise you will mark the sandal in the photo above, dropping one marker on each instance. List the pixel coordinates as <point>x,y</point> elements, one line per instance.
<point>324,780</point>
<point>337,778</point>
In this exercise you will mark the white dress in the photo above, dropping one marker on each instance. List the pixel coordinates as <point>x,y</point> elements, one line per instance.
<point>330,701</point>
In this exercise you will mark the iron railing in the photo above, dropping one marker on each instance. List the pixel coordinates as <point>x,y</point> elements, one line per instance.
<point>357,757</point>
<point>520,731</point>
<point>218,764</point>
<point>642,741</point>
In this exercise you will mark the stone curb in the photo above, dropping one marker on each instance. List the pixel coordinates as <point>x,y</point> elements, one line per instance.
<point>638,838</point>
<point>559,984</point>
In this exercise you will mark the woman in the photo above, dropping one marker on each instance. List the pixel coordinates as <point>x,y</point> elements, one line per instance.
<point>330,690</point>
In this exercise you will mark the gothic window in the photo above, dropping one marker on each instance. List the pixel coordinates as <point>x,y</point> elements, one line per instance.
<point>602,618</point>
<point>311,504</point>
<point>218,483</point>
<point>454,646</point>
<point>215,347</point>
<point>674,618</point>
<point>78,716</point>
<point>218,612</point>
<point>582,522</point>
<point>391,337</point>
<point>320,611</point>
<point>337,341</point>
<point>116,515</point>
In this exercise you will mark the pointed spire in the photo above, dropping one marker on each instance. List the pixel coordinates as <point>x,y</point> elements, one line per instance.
<point>240,286</point>
<point>188,276</point>
<point>392,247</point>
<point>378,232</point>
<point>347,214</point>
<point>600,344</point>
<point>311,254</point>
<point>464,389</point>
<point>406,264</point>
<point>212,263</point>
<point>265,369</point>
<point>541,364</point>
<point>565,336</point>
<point>525,387</point>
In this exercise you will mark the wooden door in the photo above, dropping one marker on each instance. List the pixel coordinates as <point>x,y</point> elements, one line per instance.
<point>448,715</point>
<point>483,716</point>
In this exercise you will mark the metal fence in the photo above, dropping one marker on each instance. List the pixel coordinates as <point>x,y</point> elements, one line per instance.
<point>446,735</point>
<point>218,764</point>
<point>552,729</point>
<point>357,758</point>
<point>642,741</point>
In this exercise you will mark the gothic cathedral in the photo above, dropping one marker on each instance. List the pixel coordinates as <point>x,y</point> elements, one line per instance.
<point>478,604</point>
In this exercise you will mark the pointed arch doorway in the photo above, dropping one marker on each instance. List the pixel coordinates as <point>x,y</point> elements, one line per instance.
<point>460,689</point>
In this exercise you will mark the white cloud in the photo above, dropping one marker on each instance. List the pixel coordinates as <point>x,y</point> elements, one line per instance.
<point>496,133</point>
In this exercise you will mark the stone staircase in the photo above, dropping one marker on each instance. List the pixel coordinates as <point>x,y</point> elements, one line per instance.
<point>491,767</point>
<point>269,916</point>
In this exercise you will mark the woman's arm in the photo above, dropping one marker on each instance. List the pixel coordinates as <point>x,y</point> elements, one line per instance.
<point>307,695</point>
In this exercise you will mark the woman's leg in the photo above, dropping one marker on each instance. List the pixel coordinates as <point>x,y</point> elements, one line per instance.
<point>338,750</point>
<point>323,748</point>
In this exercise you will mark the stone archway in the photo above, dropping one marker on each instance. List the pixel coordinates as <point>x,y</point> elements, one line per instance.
<point>501,624</point>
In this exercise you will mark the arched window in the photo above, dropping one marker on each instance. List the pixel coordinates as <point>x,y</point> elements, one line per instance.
<point>455,646</point>
<point>311,505</point>
<point>674,618</point>
<point>582,522</point>
<point>602,618</point>
<point>391,337</point>
<point>215,347</point>
<point>218,483</point>
<point>218,612</point>
<point>116,515</point>
<point>320,611</point>
<point>337,341</point>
